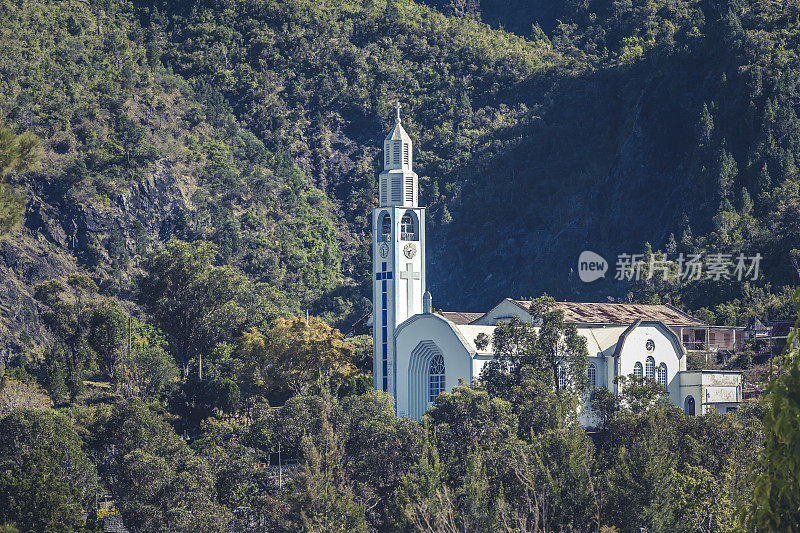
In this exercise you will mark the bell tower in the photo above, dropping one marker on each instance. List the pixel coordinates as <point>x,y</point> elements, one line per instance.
<point>398,253</point>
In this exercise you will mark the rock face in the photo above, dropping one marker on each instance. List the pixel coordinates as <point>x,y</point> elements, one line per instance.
<point>617,186</point>
<point>58,236</point>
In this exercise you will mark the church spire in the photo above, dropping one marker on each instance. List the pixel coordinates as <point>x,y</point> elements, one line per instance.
<point>398,182</point>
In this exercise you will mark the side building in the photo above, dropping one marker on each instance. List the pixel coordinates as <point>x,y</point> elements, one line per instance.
<point>635,341</point>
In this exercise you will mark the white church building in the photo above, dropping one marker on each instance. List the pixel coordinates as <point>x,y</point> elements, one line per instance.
<point>419,354</point>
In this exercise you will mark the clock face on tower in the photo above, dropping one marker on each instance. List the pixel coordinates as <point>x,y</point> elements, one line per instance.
<point>383,249</point>
<point>409,250</point>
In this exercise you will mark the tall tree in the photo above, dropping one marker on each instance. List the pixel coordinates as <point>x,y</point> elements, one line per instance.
<point>160,483</point>
<point>540,367</point>
<point>195,303</point>
<point>17,153</point>
<point>775,502</point>
<point>322,493</point>
<point>46,477</point>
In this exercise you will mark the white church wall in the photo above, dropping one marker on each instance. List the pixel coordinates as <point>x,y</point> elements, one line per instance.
<point>455,351</point>
<point>586,416</point>
<point>665,349</point>
<point>478,362</point>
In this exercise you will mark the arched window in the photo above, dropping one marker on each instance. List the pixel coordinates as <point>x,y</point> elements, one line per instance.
<point>637,369</point>
<point>591,376</point>
<point>435,377</point>
<point>386,226</point>
<point>407,227</point>
<point>562,377</point>
<point>688,406</point>
<point>650,368</point>
<point>662,374</point>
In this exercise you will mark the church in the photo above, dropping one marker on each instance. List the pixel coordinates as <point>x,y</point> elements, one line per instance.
<point>419,353</point>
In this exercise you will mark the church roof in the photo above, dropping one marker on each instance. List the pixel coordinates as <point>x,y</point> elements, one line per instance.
<point>601,341</point>
<point>616,313</point>
<point>470,333</point>
<point>398,134</point>
<point>459,318</point>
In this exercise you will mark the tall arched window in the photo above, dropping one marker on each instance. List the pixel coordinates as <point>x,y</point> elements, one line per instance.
<point>650,368</point>
<point>591,376</point>
<point>688,406</point>
<point>435,377</point>
<point>386,226</point>
<point>662,374</point>
<point>637,369</point>
<point>407,227</point>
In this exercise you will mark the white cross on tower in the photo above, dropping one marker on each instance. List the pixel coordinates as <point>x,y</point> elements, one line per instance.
<point>409,275</point>
<point>397,106</point>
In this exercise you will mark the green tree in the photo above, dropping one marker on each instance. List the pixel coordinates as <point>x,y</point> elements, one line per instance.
<point>540,369</point>
<point>700,503</point>
<point>556,491</point>
<point>149,368</point>
<point>639,394</point>
<point>107,333</point>
<point>195,303</point>
<point>322,492</point>
<point>605,403</point>
<point>775,499</point>
<point>46,477</point>
<point>160,483</point>
<point>17,153</point>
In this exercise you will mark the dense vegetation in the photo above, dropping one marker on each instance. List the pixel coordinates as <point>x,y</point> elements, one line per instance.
<point>177,179</point>
<point>255,126</point>
<point>503,454</point>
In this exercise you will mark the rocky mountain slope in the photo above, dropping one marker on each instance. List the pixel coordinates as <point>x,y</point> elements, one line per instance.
<point>257,125</point>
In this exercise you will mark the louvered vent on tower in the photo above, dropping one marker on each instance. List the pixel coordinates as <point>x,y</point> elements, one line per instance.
<point>396,153</point>
<point>409,189</point>
<point>405,154</point>
<point>397,190</point>
<point>384,191</point>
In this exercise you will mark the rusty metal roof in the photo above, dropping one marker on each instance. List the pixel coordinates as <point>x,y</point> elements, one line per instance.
<point>615,313</point>
<point>459,318</point>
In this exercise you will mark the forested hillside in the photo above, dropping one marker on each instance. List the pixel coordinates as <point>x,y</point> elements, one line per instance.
<point>256,125</point>
<point>179,181</point>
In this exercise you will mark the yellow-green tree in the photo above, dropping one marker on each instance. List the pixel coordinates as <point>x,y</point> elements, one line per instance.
<point>299,354</point>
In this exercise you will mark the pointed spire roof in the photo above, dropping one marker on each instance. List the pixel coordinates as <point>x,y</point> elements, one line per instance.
<point>398,133</point>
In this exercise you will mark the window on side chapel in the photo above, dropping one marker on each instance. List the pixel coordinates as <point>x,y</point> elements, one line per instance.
<point>562,377</point>
<point>436,378</point>
<point>688,406</point>
<point>650,368</point>
<point>591,377</point>
<point>662,374</point>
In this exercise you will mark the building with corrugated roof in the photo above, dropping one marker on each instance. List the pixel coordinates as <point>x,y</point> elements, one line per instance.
<point>419,353</point>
